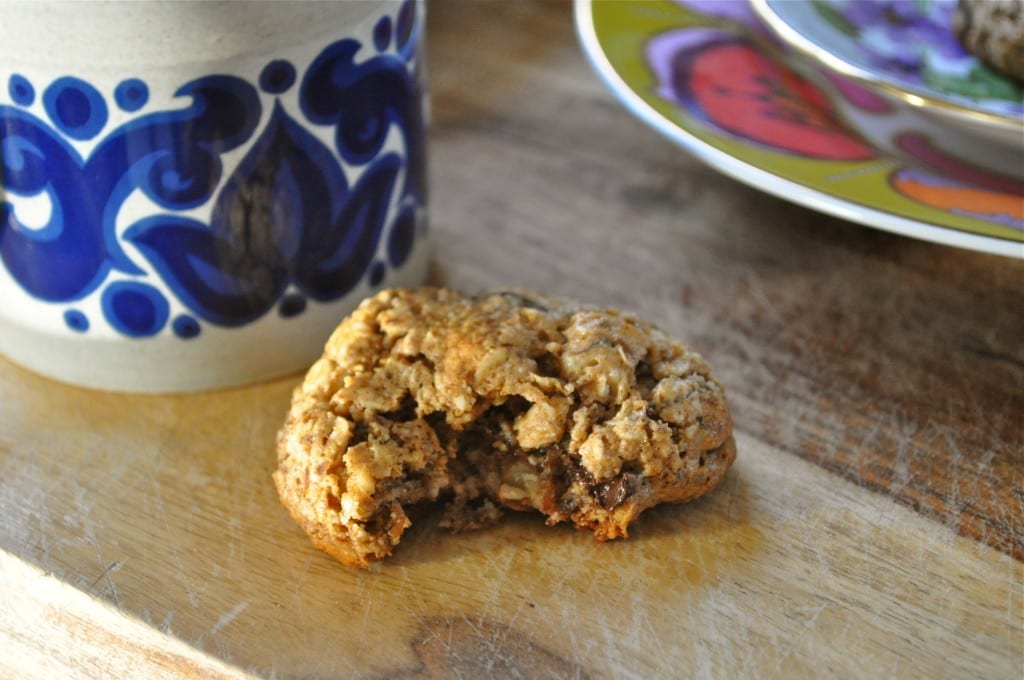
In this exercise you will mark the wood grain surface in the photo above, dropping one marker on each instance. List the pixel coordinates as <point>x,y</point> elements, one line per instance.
<point>873,524</point>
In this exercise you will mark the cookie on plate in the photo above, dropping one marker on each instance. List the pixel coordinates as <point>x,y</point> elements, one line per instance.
<point>507,400</point>
<point>993,31</point>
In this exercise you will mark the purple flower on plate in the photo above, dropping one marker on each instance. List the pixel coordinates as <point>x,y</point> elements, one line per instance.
<point>911,42</point>
<point>907,36</point>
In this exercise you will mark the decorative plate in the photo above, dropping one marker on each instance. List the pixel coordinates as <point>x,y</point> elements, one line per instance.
<point>904,49</point>
<point>706,74</point>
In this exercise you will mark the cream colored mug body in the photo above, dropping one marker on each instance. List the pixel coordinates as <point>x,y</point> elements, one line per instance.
<point>193,194</point>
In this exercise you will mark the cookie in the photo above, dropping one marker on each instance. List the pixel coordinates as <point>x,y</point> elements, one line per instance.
<point>993,31</point>
<point>503,401</point>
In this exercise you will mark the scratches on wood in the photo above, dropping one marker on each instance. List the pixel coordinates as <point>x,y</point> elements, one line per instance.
<point>979,349</point>
<point>471,647</point>
<point>228,616</point>
<point>888,382</point>
<point>49,629</point>
<point>105,574</point>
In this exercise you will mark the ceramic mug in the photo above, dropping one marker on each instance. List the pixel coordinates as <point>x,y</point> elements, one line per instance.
<point>192,195</point>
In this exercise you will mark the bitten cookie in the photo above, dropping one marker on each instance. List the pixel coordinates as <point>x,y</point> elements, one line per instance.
<point>993,31</point>
<point>508,400</point>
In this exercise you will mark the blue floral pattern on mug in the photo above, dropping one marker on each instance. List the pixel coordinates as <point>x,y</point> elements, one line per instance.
<point>297,219</point>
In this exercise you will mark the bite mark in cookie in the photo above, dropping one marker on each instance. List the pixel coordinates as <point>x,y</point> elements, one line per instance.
<point>508,400</point>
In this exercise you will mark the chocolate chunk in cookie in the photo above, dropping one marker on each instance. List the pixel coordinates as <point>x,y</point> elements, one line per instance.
<point>508,400</point>
<point>993,31</point>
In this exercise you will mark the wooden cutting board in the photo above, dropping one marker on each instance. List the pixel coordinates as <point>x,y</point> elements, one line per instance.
<point>872,525</point>
<point>162,509</point>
